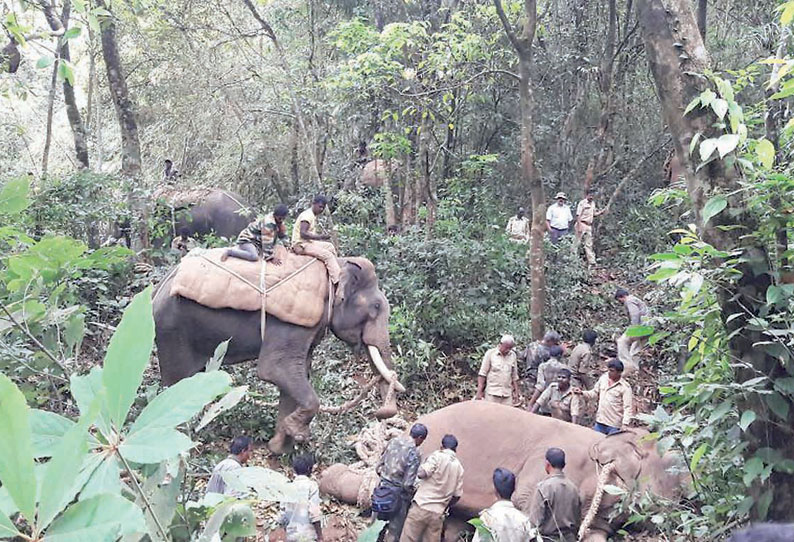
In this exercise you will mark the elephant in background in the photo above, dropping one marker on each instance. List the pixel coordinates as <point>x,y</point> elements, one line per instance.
<point>492,435</point>
<point>187,334</point>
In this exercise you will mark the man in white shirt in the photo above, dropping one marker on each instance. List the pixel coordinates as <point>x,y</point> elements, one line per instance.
<point>558,218</point>
<point>302,517</point>
<point>518,227</point>
<point>241,449</point>
<point>505,522</point>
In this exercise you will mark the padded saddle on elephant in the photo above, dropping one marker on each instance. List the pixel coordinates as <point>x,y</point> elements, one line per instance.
<point>296,290</point>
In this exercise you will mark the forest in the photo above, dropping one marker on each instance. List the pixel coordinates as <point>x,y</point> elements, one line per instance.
<point>426,124</point>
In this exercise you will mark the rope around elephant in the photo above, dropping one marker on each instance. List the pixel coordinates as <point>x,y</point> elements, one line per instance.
<point>603,478</point>
<point>370,444</point>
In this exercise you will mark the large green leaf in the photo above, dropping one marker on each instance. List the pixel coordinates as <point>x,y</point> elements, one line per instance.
<point>162,490</point>
<point>84,389</point>
<point>269,485</point>
<point>58,484</point>
<point>182,401</point>
<point>47,430</point>
<point>228,401</point>
<point>639,331</point>
<point>127,356</point>
<point>7,529</point>
<point>154,445</point>
<point>371,533</point>
<point>16,448</point>
<point>98,519</point>
<point>103,479</point>
<point>14,196</point>
<point>713,207</point>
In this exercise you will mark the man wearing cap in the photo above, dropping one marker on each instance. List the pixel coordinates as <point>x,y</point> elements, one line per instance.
<point>558,217</point>
<point>497,380</point>
<point>585,214</point>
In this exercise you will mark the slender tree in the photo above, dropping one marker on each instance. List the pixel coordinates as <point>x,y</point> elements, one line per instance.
<point>522,43</point>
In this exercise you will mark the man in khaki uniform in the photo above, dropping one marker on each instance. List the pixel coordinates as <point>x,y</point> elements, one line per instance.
<point>547,373</point>
<point>581,358</point>
<point>556,507</point>
<point>306,240</point>
<point>497,380</point>
<point>558,400</point>
<point>585,214</point>
<point>615,400</point>
<point>505,522</point>
<point>440,487</point>
<point>629,348</point>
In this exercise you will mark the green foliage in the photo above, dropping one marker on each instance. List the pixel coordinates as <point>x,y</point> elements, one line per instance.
<point>86,465</point>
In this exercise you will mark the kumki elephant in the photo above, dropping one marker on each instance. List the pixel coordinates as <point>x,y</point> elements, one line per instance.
<point>187,334</point>
<point>492,435</point>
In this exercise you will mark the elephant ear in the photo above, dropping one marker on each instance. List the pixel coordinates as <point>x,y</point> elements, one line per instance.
<point>623,450</point>
<point>349,279</point>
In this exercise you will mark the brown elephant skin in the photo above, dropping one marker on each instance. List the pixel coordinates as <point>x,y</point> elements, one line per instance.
<point>492,435</point>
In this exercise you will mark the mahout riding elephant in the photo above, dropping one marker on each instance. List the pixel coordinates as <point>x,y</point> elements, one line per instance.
<point>187,334</point>
<point>492,435</point>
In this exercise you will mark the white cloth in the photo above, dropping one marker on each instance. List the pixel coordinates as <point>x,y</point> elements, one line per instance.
<point>506,523</point>
<point>217,484</point>
<point>559,216</point>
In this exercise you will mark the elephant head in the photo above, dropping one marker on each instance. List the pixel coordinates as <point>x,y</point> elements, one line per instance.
<point>633,463</point>
<point>361,319</point>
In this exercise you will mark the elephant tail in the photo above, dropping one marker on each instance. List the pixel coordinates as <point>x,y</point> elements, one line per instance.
<point>603,478</point>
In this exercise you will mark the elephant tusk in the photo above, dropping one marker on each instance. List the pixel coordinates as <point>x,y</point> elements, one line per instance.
<point>387,374</point>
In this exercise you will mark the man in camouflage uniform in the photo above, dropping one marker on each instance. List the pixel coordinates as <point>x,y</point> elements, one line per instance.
<point>398,467</point>
<point>259,238</point>
<point>547,373</point>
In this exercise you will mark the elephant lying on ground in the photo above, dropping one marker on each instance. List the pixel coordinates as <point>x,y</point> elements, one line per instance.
<point>492,435</point>
<point>187,334</point>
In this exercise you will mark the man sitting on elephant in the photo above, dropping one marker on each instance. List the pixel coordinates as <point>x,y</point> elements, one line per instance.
<point>615,400</point>
<point>306,240</point>
<point>504,521</point>
<point>398,468</point>
<point>556,508</point>
<point>440,488</point>
<point>259,238</point>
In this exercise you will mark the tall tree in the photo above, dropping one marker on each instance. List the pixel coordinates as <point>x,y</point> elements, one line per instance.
<point>60,25</point>
<point>128,125</point>
<point>677,57</point>
<point>522,43</point>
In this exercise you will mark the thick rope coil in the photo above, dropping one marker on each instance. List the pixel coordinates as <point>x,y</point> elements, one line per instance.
<point>603,478</point>
<point>370,444</point>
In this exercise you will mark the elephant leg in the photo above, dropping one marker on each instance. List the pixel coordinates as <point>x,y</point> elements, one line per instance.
<point>282,443</point>
<point>291,378</point>
<point>389,407</point>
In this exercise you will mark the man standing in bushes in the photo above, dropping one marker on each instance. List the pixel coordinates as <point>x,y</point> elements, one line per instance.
<point>397,469</point>
<point>518,227</point>
<point>547,373</point>
<point>581,358</point>
<point>558,218</point>
<point>629,347</point>
<point>240,449</point>
<point>497,380</point>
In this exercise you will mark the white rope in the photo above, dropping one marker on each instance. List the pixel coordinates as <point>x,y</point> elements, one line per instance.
<point>603,478</point>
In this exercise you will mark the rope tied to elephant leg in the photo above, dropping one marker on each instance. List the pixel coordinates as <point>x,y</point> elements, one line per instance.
<point>603,478</point>
<point>370,444</point>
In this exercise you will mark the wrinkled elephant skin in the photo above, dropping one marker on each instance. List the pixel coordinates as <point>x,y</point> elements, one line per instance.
<point>492,436</point>
<point>187,334</point>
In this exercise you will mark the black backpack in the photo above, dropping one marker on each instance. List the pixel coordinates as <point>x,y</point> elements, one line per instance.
<point>386,501</point>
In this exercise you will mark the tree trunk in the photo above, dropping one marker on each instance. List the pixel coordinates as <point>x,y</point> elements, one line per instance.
<point>72,111</point>
<point>531,178</point>
<point>45,157</point>
<point>702,11</point>
<point>669,22</point>
<point>128,125</point>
